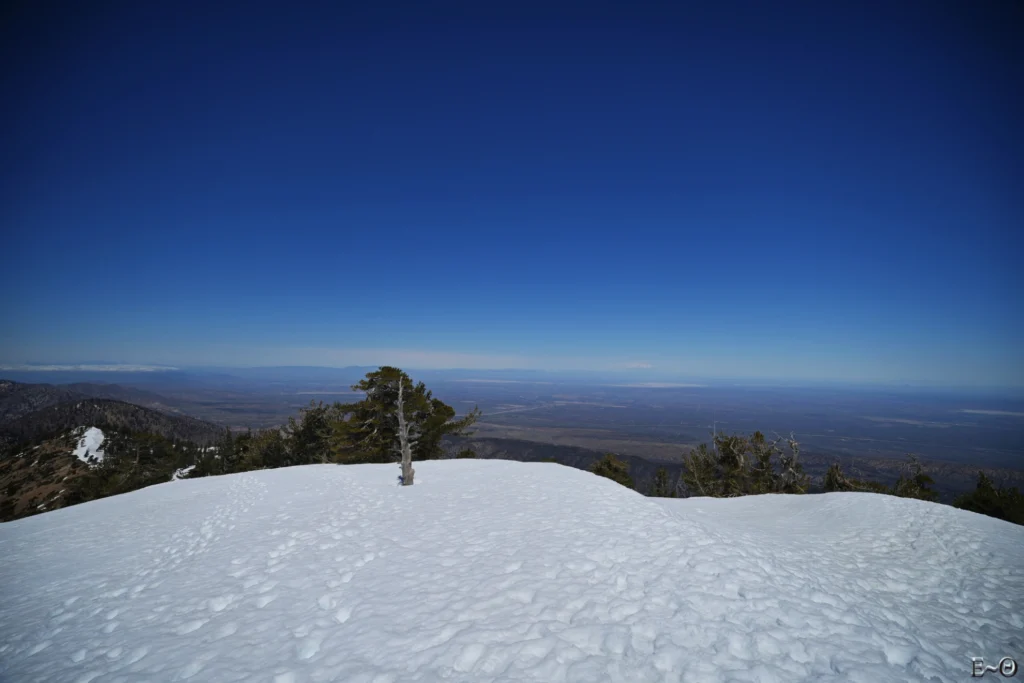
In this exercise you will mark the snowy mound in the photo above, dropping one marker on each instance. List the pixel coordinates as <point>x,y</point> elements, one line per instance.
<point>501,571</point>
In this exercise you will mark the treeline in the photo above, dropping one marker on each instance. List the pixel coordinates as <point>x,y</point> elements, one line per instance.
<point>48,476</point>
<point>738,465</point>
<point>734,466</point>
<point>367,431</point>
<point>131,461</point>
<point>396,415</point>
<point>995,501</point>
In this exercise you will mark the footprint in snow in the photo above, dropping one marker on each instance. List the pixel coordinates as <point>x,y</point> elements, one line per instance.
<point>221,603</point>
<point>469,656</point>
<point>310,646</point>
<point>190,626</point>
<point>228,629</point>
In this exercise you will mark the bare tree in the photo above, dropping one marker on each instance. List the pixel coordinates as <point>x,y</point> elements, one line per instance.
<point>403,436</point>
<point>792,477</point>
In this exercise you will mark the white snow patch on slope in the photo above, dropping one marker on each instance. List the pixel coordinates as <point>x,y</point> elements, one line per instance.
<point>182,473</point>
<point>89,446</point>
<point>501,571</point>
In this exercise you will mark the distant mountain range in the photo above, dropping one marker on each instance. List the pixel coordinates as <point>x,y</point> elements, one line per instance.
<point>53,439</point>
<point>105,413</point>
<point>18,398</point>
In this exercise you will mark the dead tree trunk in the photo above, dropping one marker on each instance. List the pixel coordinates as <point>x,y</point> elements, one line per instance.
<point>403,436</point>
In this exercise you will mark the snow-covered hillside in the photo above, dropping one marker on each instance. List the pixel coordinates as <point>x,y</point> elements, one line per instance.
<point>501,571</point>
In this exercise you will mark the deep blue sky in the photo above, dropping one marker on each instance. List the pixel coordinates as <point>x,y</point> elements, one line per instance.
<point>826,190</point>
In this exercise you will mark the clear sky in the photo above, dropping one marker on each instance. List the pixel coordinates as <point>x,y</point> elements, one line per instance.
<point>821,190</point>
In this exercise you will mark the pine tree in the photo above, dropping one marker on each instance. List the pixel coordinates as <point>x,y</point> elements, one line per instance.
<point>264,449</point>
<point>987,499</point>
<point>308,438</point>
<point>226,451</point>
<point>733,464</point>
<point>612,468</point>
<point>835,480</point>
<point>700,472</point>
<point>661,487</point>
<point>367,431</point>
<point>762,475</point>
<point>371,430</point>
<point>914,482</point>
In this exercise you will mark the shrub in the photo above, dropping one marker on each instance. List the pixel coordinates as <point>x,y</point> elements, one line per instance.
<point>987,499</point>
<point>612,468</point>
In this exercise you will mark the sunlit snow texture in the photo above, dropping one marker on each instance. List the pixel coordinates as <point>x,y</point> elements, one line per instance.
<point>501,571</point>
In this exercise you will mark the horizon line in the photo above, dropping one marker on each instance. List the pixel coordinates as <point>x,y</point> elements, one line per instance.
<point>651,374</point>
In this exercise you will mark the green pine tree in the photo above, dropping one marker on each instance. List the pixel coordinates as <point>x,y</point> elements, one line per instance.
<point>733,464</point>
<point>914,482</point>
<point>367,431</point>
<point>700,472</point>
<point>612,468</point>
<point>835,480</point>
<point>987,499</point>
<point>762,475</point>
<point>309,437</point>
<point>661,487</point>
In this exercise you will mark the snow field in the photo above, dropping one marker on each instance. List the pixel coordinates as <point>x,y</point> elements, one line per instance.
<point>500,571</point>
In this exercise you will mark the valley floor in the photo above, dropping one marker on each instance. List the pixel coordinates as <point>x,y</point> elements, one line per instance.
<point>501,571</point>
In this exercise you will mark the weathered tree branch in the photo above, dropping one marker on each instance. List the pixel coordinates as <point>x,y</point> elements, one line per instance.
<point>403,435</point>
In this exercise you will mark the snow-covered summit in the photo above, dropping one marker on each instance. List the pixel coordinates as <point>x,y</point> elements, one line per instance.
<point>501,571</point>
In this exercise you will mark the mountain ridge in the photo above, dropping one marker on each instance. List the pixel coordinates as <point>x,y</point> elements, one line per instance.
<point>20,398</point>
<point>52,419</point>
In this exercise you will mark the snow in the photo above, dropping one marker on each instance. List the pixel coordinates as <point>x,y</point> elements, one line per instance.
<point>182,473</point>
<point>501,571</point>
<point>88,449</point>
